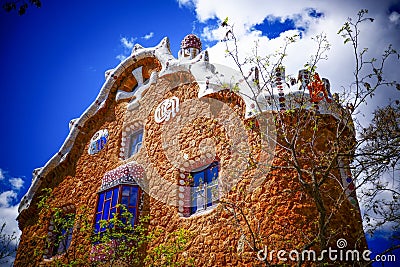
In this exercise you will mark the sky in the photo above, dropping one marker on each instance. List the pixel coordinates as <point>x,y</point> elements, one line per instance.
<point>53,60</point>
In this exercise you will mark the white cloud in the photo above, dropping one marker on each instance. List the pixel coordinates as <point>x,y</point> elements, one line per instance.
<point>6,198</point>
<point>128,43</point>
<point>184,3</point>
<point>9,213</point>
<point>121,57</point>
<point>395,17</point>
<point>8,216</point>
<point>148,36</point>
<point>16,183</point>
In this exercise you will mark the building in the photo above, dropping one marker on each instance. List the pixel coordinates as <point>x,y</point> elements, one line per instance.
<point>200,147</point>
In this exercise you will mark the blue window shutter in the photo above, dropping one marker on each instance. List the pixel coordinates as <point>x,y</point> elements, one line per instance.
<point>106,210</point>
<point>133,197</point>
<point>108,194</point>
<point>101,202</point>
<point>114,197</point>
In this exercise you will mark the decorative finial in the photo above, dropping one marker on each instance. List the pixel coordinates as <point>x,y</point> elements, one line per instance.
<point>190,47</point>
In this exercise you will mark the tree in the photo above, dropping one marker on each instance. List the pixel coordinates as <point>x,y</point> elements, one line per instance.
<point>20,5</point>
<point>298,129</point>
<point>379,161</point>
<point>8,244</point>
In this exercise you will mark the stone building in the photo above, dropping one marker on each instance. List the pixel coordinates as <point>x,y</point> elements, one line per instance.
<point>200,147</point>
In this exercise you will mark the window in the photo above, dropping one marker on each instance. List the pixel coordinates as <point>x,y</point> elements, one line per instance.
<point>107,207</point>
<point>60,232</point>
<point>135,142</point>
<point>204,193</point>
<point>63,236</point>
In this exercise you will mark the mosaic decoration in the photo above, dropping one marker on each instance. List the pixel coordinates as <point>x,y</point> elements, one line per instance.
<point>190,47</point>
<point>318,90</point>
<point>347,182</point>
<point>304,79</point>
<point>71,123</point>
<point>101,252</point>
<point>280,83</point>
<point>169,107</point>
<point>98,142</point>
<point>191,41</point>
<point>327,85</point>
<point>128,173</point>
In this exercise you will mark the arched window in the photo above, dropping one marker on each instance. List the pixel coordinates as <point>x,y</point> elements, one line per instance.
<point>63,237</point>
<point>132,139</point>
<point>135,142</point>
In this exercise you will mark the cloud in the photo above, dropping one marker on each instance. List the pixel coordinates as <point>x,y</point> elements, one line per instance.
<point>9,210</point>
<point>8,216</point>
<point>121,57</point>
<point>148,36</point>
<point>16,183</point>
<point>186,3</point>
<point>128,43</point>
<point>6,198</point>
<point>394,18</point>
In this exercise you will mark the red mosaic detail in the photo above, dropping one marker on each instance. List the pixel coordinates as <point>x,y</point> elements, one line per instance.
<point>191,41</point>
<point>130,169</point>
<point>351,186</point>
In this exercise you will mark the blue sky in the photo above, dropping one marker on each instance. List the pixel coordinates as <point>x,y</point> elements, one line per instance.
<point>53,59</point>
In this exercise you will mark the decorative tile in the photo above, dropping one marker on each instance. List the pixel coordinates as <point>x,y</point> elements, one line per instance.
<point>98,142</point>
<point>130,173</point>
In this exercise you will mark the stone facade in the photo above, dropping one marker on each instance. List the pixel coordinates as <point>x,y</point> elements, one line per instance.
<point>268,199</point>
